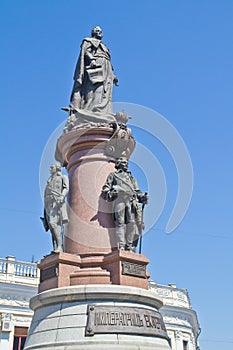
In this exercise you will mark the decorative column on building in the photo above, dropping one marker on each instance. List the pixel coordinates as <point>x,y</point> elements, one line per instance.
<point>6,328</point>
<point>93,291</point>
<point>179,342</point>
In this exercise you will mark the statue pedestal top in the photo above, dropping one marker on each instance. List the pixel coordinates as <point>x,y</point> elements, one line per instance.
<point>118,268</point>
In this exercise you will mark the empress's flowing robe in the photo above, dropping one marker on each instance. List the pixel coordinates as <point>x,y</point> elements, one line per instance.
<point>93,78</point>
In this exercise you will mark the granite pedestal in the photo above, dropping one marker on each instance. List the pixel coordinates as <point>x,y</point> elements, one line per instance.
<point>97,317</point>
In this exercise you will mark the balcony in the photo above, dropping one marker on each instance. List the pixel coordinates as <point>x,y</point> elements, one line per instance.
<point>18,272</point>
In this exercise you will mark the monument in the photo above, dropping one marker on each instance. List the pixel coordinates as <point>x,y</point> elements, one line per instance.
<point>93,291</point>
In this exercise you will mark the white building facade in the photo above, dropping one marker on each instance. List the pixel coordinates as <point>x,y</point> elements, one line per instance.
<point>19,282</point>
<point>180,319</point>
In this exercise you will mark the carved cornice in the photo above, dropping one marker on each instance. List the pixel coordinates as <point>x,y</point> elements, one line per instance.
<point>21,319</point>
<point>177,321</point>
<point>182,317</point>
<point>14,300</point>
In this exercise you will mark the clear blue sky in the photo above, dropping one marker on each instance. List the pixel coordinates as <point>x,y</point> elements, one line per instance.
<point>175,57</point>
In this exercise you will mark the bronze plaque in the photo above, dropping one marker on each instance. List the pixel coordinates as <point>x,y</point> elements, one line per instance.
<point>124,319</point>
<point>48,273</point>
<point>133,269</point>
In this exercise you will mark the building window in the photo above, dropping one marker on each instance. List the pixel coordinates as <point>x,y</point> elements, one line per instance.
<point>20,336</point>
<point>185,345</point>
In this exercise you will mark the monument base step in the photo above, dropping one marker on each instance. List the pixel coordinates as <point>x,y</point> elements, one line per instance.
<point>97,317</point>
<point>118,267</point>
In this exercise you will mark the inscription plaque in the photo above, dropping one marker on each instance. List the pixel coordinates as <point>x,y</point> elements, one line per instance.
<point>133,269</point>
<point>48,273</point>
<point>124,319</point>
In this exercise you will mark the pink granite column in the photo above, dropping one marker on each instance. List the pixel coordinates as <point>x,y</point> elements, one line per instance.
<point>91,229</point>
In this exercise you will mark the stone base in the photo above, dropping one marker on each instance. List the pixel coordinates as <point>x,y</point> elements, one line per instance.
<point>119,267</point>
<point>97,317</point>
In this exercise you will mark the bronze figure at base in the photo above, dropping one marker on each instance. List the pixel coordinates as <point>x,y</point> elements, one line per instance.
<point>122,190</point>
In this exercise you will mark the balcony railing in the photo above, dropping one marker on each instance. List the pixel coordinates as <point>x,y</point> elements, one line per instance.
<point>13,270</point>
<point>171,295</point>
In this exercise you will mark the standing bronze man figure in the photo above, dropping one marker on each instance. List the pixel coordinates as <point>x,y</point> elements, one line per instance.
<point>122,189</point>
<point>55,212</point>
<point>93,77</point>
